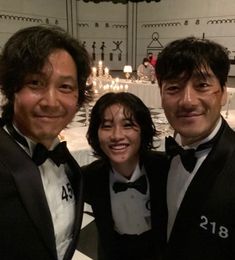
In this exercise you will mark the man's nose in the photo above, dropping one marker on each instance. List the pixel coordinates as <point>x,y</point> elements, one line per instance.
<point>189,94</point>
<point>50,96</point>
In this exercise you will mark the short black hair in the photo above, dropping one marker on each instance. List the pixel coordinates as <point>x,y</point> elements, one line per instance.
<point>187,55</point>
<point>133,107</point>
<point>145,60</point>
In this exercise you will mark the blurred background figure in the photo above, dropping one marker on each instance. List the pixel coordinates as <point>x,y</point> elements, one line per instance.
<point>152,59</point>
<point>145,71</point>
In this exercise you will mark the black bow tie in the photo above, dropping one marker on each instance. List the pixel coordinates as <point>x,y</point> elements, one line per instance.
<point>187,157</point>
<point>58,155</point>
<point>140,185</point>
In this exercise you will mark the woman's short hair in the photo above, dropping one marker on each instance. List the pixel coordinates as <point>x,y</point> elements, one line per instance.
<point>133,107</point>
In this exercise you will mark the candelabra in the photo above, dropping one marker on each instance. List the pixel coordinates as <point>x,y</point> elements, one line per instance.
<point>100,71</point>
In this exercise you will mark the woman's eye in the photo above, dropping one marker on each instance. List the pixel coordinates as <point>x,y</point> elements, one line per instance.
<point>105,125</point>
<point>35,84</point>
<point>128,124</point>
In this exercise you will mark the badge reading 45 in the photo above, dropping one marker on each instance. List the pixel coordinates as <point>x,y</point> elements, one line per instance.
<point>67,192</point>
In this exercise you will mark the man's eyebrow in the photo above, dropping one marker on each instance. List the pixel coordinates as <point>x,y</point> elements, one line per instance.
<point>203,74</point>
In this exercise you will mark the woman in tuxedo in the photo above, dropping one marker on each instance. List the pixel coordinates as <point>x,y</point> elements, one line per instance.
<point>119,186</point>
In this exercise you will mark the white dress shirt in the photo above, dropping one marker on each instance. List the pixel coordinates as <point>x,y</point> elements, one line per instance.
<point>130,209</point>
<point>179,179</point>
<point>60,198</point>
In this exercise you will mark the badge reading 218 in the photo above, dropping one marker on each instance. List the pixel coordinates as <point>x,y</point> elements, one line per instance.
<point>214,227</point>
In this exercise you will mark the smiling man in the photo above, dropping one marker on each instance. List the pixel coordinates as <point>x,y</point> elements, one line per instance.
<point>43,73</point>
<point>192,75</point>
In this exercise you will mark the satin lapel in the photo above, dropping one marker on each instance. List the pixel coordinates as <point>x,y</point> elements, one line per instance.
<point>157,165</point>
<point>73,172</point>
<point>29,184</point>
<point>101,187</point>
<point>206,176</point>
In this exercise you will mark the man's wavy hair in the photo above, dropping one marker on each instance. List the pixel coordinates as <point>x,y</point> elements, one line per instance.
<point>27,51</point>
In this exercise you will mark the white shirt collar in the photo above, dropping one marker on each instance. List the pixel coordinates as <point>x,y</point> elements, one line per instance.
<point>31,143</point>
<point>208,138</point>
<point>118,177</point>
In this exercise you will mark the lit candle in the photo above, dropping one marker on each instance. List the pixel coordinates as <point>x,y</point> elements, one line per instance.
<point>106,71</point>
<point>94,83</point>
<point>94,71</point>
<point>100,69</point>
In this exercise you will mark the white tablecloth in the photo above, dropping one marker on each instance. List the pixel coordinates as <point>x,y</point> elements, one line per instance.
<point>230,100</point>
<point>147,92</point>
<point>78,145</point>
<point>229,117</point>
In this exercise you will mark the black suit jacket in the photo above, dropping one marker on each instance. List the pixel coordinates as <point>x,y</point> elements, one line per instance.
<point>26,228</point>
<point>96,186</point>
<point>204,227</point>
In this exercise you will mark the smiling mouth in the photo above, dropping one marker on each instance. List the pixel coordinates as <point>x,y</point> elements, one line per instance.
<point>188,115</point>
<point>48,116</point>
<point>118,147</point>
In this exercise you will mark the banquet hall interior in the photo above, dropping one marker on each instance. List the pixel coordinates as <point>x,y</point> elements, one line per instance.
<point>118,34</point>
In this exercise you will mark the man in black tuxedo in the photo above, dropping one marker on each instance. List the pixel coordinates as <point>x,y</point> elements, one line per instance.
<point>200,190</point>
<point>43,74</point>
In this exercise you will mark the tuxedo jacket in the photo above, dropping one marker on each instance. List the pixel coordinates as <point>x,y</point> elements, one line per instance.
<point>97,194</point>
<point>204,227</point>
<point>26,228</point>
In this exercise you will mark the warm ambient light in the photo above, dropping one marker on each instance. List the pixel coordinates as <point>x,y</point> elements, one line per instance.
<point>127,70</point>
<point>106,71</point>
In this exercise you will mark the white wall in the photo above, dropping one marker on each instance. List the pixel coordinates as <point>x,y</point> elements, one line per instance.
<point>104,22</point>
<point>170,19</point>
<point>17,14</point>
<point>156,23</point>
